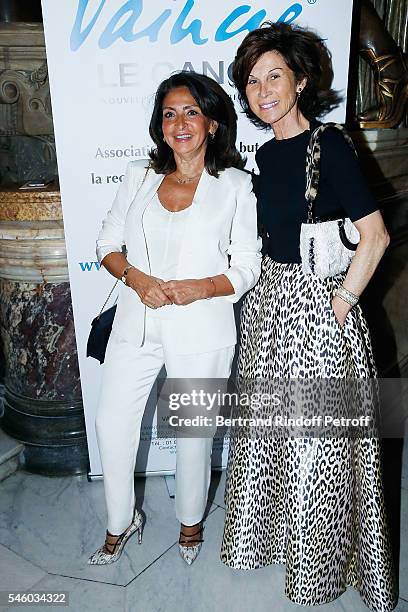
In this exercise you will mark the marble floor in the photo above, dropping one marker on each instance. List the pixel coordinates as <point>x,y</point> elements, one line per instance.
<point>49,526</point>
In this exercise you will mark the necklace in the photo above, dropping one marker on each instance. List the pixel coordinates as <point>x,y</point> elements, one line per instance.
<point>182,180</point>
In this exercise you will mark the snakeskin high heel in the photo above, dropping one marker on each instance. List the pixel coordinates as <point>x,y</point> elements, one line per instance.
<point>109,553</point>
<point>391,93</point>
<point>190,553</point>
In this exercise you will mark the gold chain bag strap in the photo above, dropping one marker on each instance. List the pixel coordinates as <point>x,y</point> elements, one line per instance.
<point>101,325</point>
<point>326,247</point>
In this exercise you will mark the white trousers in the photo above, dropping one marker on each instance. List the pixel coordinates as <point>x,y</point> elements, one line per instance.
<point>128,377</point>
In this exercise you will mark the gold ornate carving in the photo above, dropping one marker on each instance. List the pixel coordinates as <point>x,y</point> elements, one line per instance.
<point>41,205</point>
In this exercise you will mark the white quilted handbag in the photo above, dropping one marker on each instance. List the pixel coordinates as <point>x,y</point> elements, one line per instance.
<point>326,247</point>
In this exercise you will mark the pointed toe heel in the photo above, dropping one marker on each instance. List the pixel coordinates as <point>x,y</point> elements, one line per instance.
<point>190,553</point>
<point>109,553</point>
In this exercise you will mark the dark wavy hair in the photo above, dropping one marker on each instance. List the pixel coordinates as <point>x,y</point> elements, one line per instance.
<point>215,104</point>
<point>305,54</point>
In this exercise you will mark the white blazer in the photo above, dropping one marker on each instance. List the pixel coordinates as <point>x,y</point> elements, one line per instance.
<point>222,222</point>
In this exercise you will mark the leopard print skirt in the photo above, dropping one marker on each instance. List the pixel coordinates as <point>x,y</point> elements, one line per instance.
<point>314,504</point>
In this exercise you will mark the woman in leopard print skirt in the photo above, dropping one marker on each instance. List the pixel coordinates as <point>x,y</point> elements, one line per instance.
<point>315,504</point>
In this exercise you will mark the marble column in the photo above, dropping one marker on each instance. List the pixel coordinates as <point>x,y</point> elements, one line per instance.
<point>43,403</point>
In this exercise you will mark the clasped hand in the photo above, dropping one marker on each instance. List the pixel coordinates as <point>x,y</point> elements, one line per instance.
<point>154,292</point>
<point>183,292</point>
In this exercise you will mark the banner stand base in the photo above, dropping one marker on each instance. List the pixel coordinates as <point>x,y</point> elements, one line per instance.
<point>166,473</point>
<point>171,485</point>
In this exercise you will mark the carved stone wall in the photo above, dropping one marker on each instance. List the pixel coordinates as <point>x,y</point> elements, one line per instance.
<point>27,147</point>
<point>384,157</point>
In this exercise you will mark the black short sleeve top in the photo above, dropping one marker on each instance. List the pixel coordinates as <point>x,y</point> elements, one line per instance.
<point>281,186</point>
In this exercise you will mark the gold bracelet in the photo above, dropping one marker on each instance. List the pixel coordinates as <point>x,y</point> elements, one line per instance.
<point>125,273</point>
<point>215,288</point>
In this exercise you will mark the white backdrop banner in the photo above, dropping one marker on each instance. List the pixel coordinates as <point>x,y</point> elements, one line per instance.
<point>105,60</point>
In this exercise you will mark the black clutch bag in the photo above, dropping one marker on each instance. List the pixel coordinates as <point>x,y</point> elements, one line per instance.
<point>101,328</point>
<point>98,338</point>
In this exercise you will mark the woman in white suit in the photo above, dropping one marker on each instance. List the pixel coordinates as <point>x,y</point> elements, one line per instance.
<point>188,219</point>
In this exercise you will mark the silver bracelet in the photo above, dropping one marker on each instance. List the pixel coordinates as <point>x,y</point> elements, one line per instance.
<point>346,295</point>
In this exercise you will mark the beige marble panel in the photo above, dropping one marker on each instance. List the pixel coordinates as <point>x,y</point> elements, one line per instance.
<point>33,251</point>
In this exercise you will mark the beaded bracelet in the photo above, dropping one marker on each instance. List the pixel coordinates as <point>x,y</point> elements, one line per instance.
<point>346,295</point>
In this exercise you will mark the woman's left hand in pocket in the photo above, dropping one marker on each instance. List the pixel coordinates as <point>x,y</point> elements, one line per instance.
<point>183,292</point>
<point>340,309</point>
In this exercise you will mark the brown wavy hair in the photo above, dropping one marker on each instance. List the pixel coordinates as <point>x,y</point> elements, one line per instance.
<point>305,54</point>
